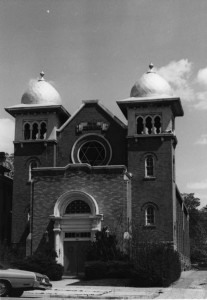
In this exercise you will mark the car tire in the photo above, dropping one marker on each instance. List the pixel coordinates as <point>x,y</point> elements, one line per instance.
<point>16,292</point>
<point>4,288</point>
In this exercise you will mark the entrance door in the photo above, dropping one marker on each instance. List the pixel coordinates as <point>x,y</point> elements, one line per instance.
<point>75,253</point>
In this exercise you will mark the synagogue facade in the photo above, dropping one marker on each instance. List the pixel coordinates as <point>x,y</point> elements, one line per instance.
<point>75,174</point>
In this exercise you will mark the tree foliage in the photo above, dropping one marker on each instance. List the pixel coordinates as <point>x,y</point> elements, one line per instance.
<point>191,202</point>
<point>197,227</point>
<point>105,247</point>
<point>9,163</point>
<point>156,264</point>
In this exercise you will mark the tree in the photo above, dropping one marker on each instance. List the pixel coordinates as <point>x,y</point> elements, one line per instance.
<point>191,202</point>
<point>197,227</point>
<point>9,163</point>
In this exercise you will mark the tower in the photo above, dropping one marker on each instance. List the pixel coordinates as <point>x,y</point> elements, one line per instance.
<point>151,141</point>
<point>36,120</point>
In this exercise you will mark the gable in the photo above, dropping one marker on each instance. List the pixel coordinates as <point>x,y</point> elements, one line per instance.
<point>92,122</point>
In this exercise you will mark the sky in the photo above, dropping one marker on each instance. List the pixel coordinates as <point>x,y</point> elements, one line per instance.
<point>98,49</point>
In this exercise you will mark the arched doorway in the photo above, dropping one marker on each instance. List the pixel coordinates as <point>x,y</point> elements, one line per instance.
<point>77,218</point>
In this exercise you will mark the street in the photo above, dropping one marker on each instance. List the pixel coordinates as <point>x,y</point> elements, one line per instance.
<point>191,285</point>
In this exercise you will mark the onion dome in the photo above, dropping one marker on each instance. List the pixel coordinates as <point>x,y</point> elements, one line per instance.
<point>41,92</point>
<point>151,85</point>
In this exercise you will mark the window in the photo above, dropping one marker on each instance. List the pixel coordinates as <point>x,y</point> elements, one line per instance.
<point>35,130</point>
<point>149,166</point>
<point>150,215</point>
<point>149,124</point>
<point>77,234</point>
<point>43,130</point>
<point>78,207</point>
<point>140,125</point>
<point>27,131</point>
<point>93,153</point>
<point>157,125</point>
<point>32,165</point>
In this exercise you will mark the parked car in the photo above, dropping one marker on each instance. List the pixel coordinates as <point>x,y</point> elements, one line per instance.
<point>14,282</point>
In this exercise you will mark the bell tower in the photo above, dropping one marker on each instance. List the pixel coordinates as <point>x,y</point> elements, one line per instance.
<point>36,120</point>
<point>151,111</point>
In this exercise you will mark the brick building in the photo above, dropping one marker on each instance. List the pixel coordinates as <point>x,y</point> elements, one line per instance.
<point>6,184</point>
<point>76,173</point>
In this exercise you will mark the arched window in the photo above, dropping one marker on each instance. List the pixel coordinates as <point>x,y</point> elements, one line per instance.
<point>140,125</point>
<point>149,215</point>
<point>157,125</point>
<point>148,125</point>
<point>35,131</point>
<point>43,130</point>
<point>149,166</point>
<point>27,131</point>
<point>32,165</point>
<point>78,207</point>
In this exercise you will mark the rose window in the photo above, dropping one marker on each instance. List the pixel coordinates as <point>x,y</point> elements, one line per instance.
<point>91,149</point>
<point>92,153</point>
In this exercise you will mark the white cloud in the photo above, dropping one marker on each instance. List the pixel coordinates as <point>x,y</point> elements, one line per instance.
<point>201,95</point>
<point>6,135</point>
<point>177,73</point>
<point>202,76</point>
<point>202,140</point>
<point>202,185</point>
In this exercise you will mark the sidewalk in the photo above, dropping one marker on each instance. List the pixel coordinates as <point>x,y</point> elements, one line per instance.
<point>69,288</point>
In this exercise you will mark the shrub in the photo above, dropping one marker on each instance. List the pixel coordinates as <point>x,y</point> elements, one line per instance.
<point>95,269</point>
<point>105,248</point>
<point>41,262</point>
<point>110,269</point>
<point>155,265</point>
<point>9,254</point>
<point>119,269</point>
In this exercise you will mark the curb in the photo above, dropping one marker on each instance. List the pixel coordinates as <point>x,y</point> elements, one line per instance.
<point>104,295</point>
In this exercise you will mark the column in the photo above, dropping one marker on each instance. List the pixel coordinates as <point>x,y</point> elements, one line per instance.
<point>57,231</point>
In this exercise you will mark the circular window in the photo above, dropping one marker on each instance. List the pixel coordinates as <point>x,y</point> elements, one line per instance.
<point>92,153</point>
<point>91,149</point>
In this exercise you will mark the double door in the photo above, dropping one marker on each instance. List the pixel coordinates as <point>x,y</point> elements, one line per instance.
<point>75,253</point>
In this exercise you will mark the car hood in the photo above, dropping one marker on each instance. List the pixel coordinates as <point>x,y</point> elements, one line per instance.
<point>16,272</point>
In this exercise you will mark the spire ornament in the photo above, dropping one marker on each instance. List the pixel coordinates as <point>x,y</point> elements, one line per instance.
<point>151,68</point>
<point>42,74</point>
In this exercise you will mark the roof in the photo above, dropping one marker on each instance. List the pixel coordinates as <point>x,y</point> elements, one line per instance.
<point>174,102</point>
<point>95,102</point>
<point>19,108</point>
<point>151,84</point>
<point>41,92</point>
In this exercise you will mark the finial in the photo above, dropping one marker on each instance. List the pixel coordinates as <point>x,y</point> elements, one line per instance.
<point>42,74</point>
<point>151,67</point>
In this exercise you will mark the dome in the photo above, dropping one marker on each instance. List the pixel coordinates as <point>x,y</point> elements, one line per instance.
<point>151,84</point>
<point>41,92</point>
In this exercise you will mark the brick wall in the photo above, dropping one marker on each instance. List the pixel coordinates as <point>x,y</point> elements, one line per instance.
<point>5,208</point>
<point>157,190</point>
<point>108,189</point>
<point>182,227</point>
<point>22,187</point>
<point>116,135</point>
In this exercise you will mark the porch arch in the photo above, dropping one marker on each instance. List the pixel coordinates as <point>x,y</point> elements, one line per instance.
<point>65,199</point>
<point>76,223</point>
